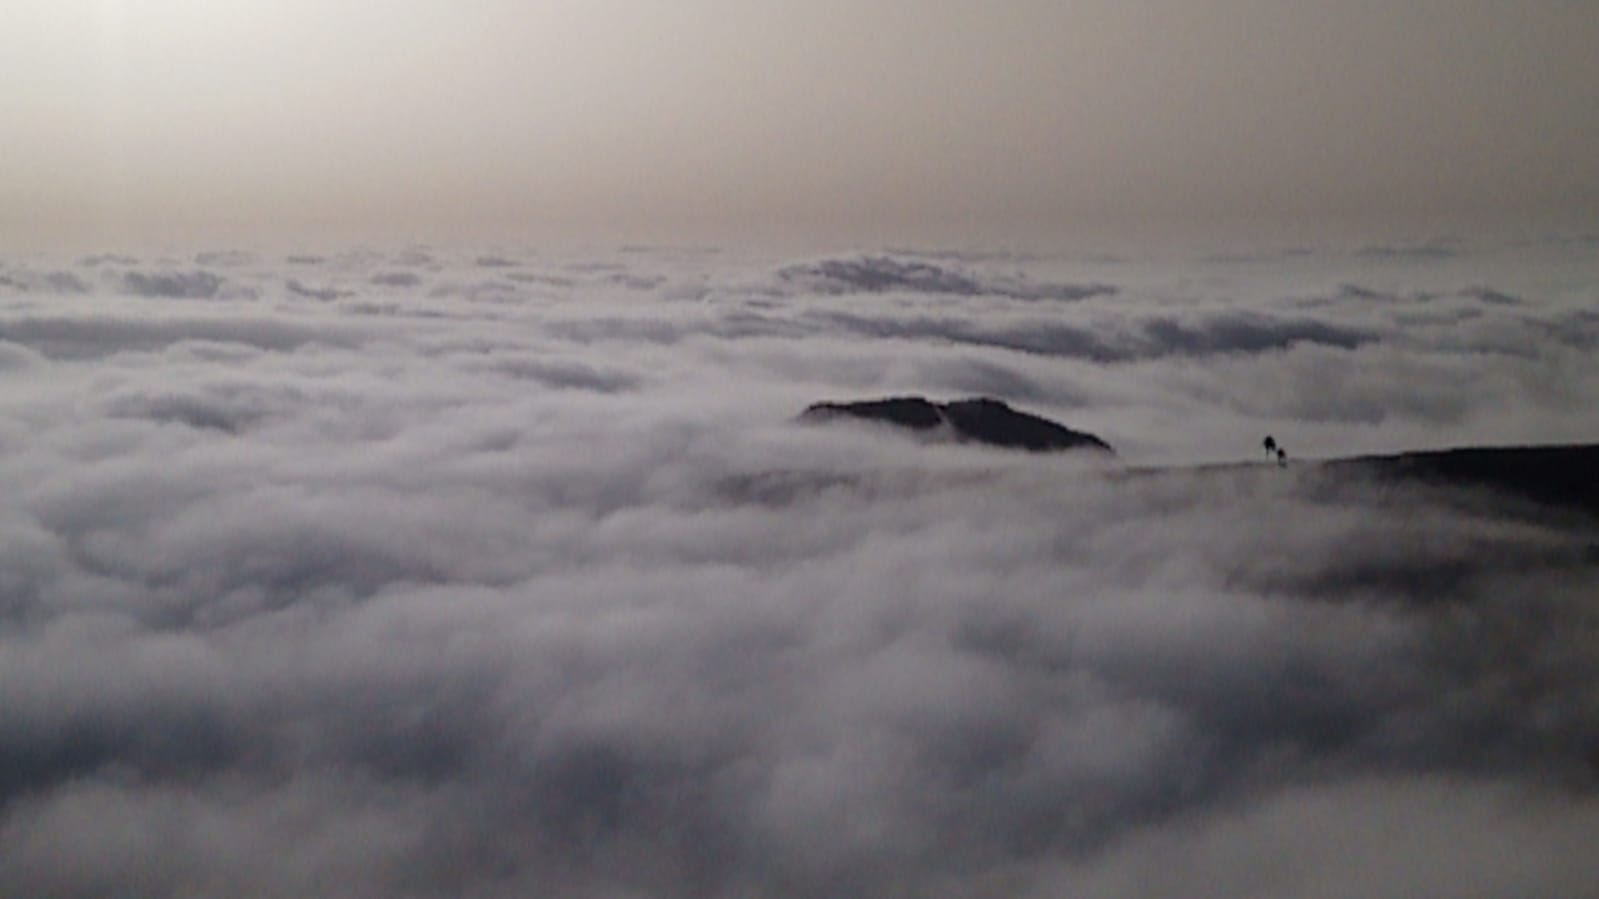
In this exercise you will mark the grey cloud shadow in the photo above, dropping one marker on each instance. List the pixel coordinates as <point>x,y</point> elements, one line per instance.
<point>162,742</point>
<point>881,274</point>
<point>396,279</point>
<point>57,281</point>
<point>175,285</point>
<point>225,407</point>
<point>1152,337</point>
<point>226,258</point>
<point>566,375</point>
<point>98,337</point>
<point>1417,253</point>
<point>106,259</point>
<point>325,294</point>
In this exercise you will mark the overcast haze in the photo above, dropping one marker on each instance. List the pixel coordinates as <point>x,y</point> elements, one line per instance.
<point>250,120</point>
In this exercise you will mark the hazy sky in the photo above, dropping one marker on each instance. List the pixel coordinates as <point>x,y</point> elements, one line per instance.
<point>235,120</point>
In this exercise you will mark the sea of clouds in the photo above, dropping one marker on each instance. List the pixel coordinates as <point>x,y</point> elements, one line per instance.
<point>508,573</point>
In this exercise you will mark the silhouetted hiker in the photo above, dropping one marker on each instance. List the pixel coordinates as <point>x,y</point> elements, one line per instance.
<point>1282,457</point>
<point>1270,443</point>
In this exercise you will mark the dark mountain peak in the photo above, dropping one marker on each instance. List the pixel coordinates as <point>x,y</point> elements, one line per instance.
<point>913,412</point>
<point>979,420</point>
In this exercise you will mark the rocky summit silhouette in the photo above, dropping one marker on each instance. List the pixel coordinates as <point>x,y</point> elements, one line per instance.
<point>978,420</point>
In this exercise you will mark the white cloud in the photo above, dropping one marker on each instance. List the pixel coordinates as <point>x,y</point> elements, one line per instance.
<point>551,594</point>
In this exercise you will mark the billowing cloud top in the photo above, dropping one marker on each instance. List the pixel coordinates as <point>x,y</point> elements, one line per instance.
<point>498,574</point>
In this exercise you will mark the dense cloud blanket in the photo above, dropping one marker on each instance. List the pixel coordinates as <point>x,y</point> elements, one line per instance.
<point>504,574</point>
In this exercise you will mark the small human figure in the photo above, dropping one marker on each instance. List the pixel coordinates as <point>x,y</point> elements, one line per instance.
<point>1270,443</point>
<point>1282,457</point>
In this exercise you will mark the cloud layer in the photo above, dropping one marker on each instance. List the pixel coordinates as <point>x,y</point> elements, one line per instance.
<point>515,576</point>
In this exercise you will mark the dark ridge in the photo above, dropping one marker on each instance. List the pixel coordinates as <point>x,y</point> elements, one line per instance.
<point>905,411</point>
<point>1553,475</point>
<point>993,422</point>
<point>980,420</point>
